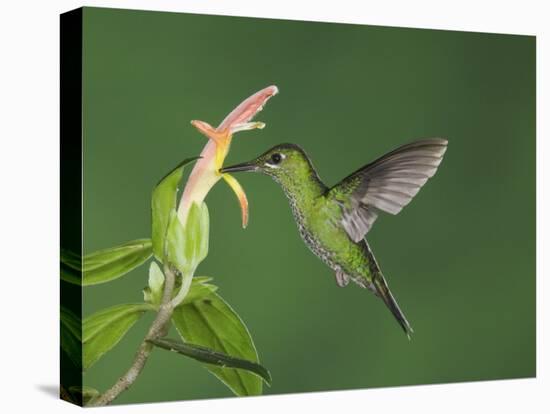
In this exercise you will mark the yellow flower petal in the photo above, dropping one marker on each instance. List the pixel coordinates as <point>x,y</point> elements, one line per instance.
<point>239,192</point>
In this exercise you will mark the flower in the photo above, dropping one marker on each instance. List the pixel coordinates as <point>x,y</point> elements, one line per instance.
<point>206,170</point>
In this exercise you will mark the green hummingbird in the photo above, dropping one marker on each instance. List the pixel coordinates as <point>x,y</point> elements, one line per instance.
<point>333,222</point>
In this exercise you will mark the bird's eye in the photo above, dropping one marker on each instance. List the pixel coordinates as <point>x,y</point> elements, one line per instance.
<point>276,158</point>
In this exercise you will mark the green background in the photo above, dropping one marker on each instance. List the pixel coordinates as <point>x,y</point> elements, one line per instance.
<point>460,258</point>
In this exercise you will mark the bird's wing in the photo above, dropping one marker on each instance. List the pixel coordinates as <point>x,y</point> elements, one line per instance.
<point>387,184</point>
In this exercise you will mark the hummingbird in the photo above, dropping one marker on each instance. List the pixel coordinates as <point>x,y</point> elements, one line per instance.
<point>334,221</point>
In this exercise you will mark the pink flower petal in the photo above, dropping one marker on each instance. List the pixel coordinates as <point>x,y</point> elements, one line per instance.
<point>248,108</point>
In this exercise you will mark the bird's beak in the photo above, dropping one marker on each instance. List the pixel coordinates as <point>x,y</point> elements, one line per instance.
<point>245,166</point>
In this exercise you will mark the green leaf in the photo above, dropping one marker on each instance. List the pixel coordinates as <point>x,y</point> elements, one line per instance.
<point>71,336</point>
<point>187,246</point>
<point>162,204</point>
<point>197,231</point>
<point>109,264</point>
<point>104,329</point>
<point>209,356</point>
<point>85,394</point>
<point>175,244</point>
<point>70,275</point>
<point>71,258</point>
<point>153,292</point>
<point>199,289</point>
<point>71,267</point>
<point>202,279</point>
<point>210,322</point>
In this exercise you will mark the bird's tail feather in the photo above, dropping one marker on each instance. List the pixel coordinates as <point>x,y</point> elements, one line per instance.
<point>382,290</point>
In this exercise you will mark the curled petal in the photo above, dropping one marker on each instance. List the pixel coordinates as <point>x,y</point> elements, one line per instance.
<point>241,196</point>
<point>248,108</point>
<point>246,126</point>
<point>209,131</point>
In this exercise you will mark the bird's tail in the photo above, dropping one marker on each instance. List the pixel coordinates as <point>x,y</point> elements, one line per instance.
<point>382,290</point>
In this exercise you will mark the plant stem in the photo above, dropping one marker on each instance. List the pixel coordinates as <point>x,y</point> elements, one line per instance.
<point>157,329</point>
<point>185,285</point>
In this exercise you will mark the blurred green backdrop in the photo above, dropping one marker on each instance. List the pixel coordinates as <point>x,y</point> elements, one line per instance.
<point>460,259</point>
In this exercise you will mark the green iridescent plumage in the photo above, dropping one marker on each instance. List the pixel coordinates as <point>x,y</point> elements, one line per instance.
<point>334,221</point>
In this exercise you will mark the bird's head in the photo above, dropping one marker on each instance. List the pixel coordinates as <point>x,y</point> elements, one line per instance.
<point>283,162</point>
